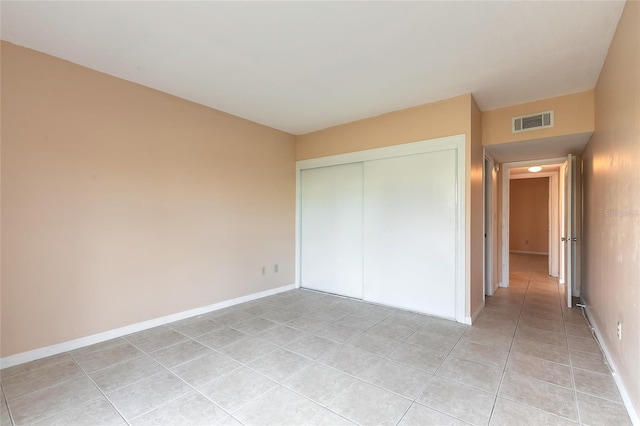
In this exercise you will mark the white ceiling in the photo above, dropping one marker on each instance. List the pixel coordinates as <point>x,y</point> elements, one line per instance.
<point>303,66</point>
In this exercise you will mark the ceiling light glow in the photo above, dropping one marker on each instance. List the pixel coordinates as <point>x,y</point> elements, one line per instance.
<point>535,169</point>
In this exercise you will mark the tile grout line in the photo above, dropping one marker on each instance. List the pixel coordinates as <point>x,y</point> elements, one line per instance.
<point>6,403</point>
<point>277,382</point>
<point>84,373</point>
<point>381,357</point>
<point>559,299</point>
<point>99,390</point>
<point>504,370</point>
<point>573,380</point>
<point>177,397</point>
<point>148,377</point>
<point>358,379</point>
<point>426,385</point>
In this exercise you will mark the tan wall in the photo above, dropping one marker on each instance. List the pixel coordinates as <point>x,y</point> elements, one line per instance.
<point>476,211</point>
<point>438,119</point>
<point>123,204</point>
<point>611,161</point>
<point>573,114</point>
<point>529,215</point>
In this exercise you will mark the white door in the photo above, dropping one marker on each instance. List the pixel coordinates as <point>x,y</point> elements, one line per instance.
<point>331,229</point>
<point>410,232</point>
<point>572,226</point>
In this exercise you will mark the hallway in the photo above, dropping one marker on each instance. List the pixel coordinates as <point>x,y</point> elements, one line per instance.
<point>551,360</point>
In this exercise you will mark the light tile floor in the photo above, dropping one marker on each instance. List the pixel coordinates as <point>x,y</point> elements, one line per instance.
<point>306,358</point>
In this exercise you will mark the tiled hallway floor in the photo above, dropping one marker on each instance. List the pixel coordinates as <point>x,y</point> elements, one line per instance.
<point>305,358</point>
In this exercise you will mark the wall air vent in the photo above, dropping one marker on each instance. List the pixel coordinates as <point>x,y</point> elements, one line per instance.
<point>524,123</point>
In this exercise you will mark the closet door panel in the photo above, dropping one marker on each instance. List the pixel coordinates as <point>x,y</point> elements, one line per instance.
<point>331,229</point>
<point>410,232</point>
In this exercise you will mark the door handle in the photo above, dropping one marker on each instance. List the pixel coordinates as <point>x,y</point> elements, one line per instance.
<point>563,239</point>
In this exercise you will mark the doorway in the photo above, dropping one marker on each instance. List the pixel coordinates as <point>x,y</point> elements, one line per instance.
<point>550,168</point>
<point>564,220</point>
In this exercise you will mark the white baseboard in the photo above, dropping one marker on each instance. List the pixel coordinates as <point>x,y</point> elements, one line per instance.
<point>70,345</point>
<point>529,252</point>
<point>635,416</point>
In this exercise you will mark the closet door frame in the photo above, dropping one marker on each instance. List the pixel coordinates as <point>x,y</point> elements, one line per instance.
<point>456,142</point>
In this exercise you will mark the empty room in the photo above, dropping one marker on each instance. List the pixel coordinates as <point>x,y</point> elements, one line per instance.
<point>319,213</point>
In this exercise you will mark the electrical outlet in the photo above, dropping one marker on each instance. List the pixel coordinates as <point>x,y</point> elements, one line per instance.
<point>619,330</point>
<point>275,268</point>
<point>264,270</point>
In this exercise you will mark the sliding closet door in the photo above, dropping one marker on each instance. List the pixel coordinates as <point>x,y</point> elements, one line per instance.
<point>331,229</point>
<point>410,232</point>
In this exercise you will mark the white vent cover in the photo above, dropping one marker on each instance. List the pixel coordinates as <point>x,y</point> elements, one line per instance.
<point>524,123</point>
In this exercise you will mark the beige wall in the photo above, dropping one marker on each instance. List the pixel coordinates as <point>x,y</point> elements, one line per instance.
<point>611,162</point>
<point>438,119</point>
<point>573,114</point>
<point>529,215</point>
<point>122,204</point>
<point>459,115</point>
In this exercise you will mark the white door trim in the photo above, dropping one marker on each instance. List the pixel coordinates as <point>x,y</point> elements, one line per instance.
<point>457,142</point>
<point>487,273</point>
